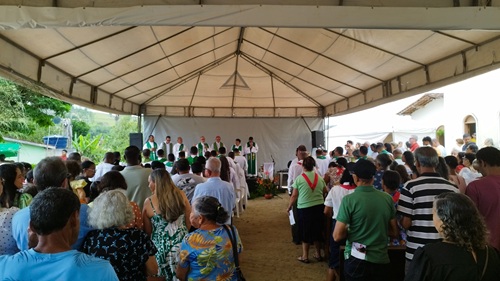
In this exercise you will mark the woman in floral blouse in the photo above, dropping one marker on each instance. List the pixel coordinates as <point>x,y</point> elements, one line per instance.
<point>207,253</point>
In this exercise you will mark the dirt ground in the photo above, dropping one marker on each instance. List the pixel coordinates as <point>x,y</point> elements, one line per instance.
<point>269,253</point>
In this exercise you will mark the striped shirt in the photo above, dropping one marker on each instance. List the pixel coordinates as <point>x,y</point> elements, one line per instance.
<point>415,202</point>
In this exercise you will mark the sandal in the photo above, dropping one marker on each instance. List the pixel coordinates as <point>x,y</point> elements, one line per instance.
<point>318,258</point>
<point>303,260</point>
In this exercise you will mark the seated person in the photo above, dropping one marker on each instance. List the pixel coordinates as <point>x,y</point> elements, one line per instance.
<point>54,224</point>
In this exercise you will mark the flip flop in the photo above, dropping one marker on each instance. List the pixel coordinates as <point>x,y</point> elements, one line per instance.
<point>318,258</point>
<point>303,260</point>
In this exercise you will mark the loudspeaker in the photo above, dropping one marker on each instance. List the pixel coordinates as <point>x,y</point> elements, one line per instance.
<point>136,139</point>
<point>318,138</point>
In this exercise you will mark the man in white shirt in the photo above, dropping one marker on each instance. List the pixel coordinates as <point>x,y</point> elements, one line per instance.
<point>240,160</point>
<point>104,167</point>
<point>178,147</point>
<point>321,162</point>
<point>167,146</point>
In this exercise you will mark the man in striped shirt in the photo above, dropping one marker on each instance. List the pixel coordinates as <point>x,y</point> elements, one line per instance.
<point>417,197</point>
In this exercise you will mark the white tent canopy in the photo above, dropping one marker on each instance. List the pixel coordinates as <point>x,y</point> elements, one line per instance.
<point>361,131</point>
<point>217,59</point>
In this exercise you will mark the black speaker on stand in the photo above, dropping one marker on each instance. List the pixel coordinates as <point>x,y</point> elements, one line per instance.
<point>318,138</point>
<point>136,139</point>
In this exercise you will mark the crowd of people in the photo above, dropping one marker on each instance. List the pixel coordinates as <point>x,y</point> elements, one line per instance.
<point>121,221</point>
<point>443,209</point>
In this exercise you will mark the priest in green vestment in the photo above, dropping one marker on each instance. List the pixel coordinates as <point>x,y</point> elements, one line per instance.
<point>251,149</point>
<point>152,146</point>
<point>202,147</point>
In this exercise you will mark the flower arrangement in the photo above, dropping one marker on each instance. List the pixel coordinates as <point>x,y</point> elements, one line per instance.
<point>267,186</point>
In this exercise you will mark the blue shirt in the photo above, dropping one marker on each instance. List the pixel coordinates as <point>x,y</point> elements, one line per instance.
<point>219,189</point>
<point>21,221</point>
<point>69,265</point>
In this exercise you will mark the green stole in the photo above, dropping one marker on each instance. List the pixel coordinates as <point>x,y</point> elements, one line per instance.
<point>163,160</point>
<point>322,157</point>
<point>191,159</point>
<point>217,148</point>
<point>152,156</point>
<point>171,148</point>
<point>238,147</point>
<point>252,161</point>
<point>169,164</point>
<point>200,148</point>
<point>181,147</point>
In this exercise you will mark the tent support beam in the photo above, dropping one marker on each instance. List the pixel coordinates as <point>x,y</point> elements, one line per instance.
<point>165,70</point>
<point>304,67</point>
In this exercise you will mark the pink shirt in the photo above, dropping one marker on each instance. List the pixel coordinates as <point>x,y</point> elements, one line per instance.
<point>485,193</point>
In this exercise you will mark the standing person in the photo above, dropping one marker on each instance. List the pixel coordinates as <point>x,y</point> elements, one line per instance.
<point>129,250</point>
<point>217,144</point>
<point>237,145</point>
<point>166,218</point>
<point>136,176</point>
<point>458,180</point>
<point>308,190</point>
<point>294,171</point>
<point>178,147</point>
<point>370,216</point>
<point>202,147</point>
<point>413,143</point>
<point>104,167</point>
<point>193,155</point>
<point>415,203</point>
<point>321,162</point>
<point>383,161</point>
<point>332,206</point>
<point>213,259</point>
<point>167,146</point>
<point>54,223</point>
<point>468,172</point>
<point>409,160</point>
<point>64,154</point>
<point>240,160</point>
<point>464,254</point>
<point>439,147</point>
<point>251,149</point>
<point>216,187</point>
<point>152,146</point>
<point>87,172</point>
<point>485,192</point>
<point>467,140</point>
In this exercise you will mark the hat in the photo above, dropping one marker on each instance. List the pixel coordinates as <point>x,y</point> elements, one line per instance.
<point>364,169</point>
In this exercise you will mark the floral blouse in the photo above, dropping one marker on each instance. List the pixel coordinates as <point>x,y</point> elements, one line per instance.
<point>126,249</point>
<point>209,255</point>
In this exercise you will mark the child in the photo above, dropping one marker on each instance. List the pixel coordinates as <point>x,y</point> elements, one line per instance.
<point>390,184</point>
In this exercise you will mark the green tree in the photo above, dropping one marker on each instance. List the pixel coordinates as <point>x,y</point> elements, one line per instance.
<point>118,137</point>
<point>80,128</point>
<point>89,147</point>
<point>26,110</point>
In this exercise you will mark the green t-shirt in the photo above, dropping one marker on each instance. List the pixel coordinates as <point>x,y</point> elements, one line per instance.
<point>367,213</point>
<point>307,196</point>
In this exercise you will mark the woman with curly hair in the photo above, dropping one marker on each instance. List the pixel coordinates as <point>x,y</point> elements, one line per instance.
<point>166,219</point>
<point>464,253</point>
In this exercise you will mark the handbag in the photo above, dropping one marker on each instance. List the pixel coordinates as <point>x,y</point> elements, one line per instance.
<point>238,272</point>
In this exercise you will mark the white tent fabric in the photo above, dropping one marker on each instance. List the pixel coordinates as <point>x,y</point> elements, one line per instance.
<point>400,128</point>
<point>277,138</point>
<point>218,59</point>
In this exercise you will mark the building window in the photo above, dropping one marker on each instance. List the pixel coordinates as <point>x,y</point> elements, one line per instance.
<point>469,125</point>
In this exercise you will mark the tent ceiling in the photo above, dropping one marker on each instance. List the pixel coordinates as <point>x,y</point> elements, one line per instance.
<point>218,60</point>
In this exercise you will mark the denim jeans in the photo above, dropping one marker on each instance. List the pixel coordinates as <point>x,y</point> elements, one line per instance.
<point>360,270</point>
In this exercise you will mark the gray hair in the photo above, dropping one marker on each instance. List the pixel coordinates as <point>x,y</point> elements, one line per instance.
<point>210,208</point>
<point>213,164</point>
<point>110,209</point>
<point>427,157</point>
